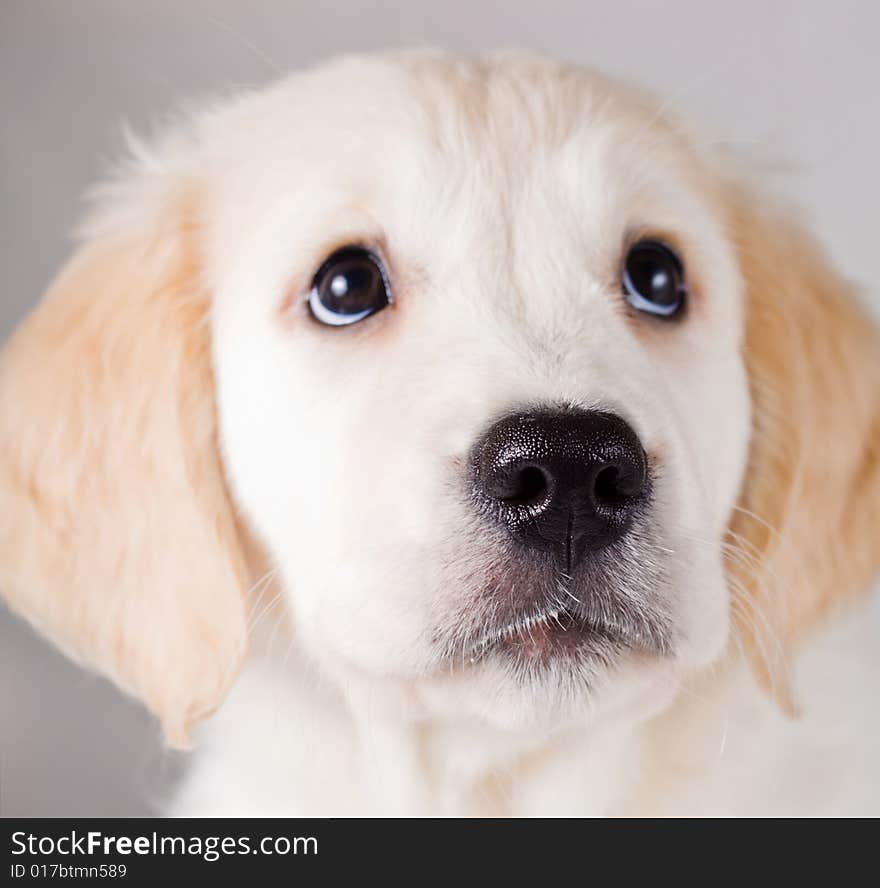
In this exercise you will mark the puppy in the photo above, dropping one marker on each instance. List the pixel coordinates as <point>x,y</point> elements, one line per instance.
<point>428,435</point>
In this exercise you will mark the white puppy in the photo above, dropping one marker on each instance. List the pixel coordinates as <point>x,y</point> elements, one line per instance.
<point>473,439</point>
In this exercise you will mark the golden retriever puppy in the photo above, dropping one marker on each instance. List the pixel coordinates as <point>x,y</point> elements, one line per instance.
<point>430,435</point>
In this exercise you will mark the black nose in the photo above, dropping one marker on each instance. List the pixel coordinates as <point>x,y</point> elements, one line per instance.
<point>566,481</point>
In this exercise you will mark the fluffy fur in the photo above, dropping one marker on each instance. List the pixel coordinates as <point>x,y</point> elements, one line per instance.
<point>203,489</point>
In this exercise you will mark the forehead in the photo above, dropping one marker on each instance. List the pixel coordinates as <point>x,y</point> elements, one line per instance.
<point>428,152</point>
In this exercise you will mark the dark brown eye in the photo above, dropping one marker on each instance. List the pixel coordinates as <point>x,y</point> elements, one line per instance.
<point>348,287</point>
<point>653,279</point>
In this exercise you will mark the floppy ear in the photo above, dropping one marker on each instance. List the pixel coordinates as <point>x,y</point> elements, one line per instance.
<point>117,537</point>
<point>807,528</point>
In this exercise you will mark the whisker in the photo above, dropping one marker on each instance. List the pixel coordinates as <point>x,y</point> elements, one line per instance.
<point>243,41</point>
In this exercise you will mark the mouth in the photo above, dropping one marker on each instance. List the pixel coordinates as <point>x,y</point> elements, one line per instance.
<point>544,635</point>
<point>536,620</point>
<point>559,632</point>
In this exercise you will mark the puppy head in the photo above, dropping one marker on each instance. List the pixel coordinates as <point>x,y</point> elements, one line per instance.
<point>496,351</point>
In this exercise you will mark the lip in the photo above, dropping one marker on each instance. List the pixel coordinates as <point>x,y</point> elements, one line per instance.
<point>571,630</point>
<point>544,635</point>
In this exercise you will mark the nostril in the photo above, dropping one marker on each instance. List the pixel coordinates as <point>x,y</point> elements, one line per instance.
<point>614,487</point>
<point>606,487</point>
<point>529,487</point>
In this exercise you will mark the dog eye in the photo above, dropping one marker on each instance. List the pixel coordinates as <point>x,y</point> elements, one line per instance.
<point>348,287</point>
<point>653,279</point>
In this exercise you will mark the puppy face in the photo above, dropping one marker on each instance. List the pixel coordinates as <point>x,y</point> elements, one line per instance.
<point>521,392</point>
<point>491,219</point>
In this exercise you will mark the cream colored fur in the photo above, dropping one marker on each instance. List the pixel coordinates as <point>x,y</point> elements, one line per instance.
<point>193,474</point>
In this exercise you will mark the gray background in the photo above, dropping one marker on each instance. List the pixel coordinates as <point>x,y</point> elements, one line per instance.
<point>791,83</point>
